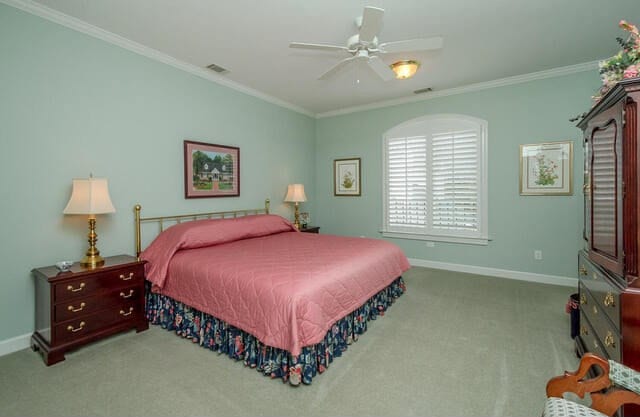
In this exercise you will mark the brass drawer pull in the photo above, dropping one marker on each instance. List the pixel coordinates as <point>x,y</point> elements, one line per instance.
<point>583,299</point>
<point>127,314</point>
<point>123,295</point>
<point>582,270</point>
<point>126,277</point>
<point>584,331</point>
<point>71,329</point>
<point>609,340</point>
<point>80,288</point>
<point>609,301</point>
<point>595,310</point>
<point>75,310</point>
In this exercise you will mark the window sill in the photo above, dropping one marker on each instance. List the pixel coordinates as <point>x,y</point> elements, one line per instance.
<point>434,238</point>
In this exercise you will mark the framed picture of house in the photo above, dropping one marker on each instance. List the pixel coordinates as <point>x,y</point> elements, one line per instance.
<point>546,168</point>
<point>211,170</point>
<point>346,177</point>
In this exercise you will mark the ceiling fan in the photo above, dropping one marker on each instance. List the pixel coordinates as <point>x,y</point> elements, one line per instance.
<point>364,45</point>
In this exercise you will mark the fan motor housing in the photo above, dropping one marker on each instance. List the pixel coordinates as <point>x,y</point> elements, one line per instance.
<point>354,43</point>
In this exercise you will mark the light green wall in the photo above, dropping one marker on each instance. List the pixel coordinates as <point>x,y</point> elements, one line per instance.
<point>71,104</point>
<point>531,112</point>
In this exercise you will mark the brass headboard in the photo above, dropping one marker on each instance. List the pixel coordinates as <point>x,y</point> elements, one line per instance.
<point>189,217</point>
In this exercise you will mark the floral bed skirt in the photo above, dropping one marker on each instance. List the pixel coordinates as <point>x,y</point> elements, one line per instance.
<point>217,335</point>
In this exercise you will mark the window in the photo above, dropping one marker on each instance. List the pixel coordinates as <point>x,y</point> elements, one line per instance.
<point>435,185</point>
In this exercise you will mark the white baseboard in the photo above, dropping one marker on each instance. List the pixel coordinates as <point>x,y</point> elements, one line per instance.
<point>495,272</point>
<point>14,344</point>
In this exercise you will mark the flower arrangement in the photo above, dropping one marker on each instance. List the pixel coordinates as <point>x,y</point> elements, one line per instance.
<point>623,65</point>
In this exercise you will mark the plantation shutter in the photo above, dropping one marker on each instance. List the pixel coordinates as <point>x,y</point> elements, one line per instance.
<point>406,183</point>
<point>434,180</point>
<point>455,181</point>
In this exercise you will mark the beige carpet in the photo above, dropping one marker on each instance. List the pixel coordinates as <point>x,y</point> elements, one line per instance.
<point>455,344</point>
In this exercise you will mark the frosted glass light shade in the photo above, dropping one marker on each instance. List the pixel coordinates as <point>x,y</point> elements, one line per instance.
<point>89,196</point>
<point>405,69</point>
<point>295,194</point>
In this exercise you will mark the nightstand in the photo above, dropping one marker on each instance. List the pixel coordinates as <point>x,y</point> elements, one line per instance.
<point>310,229</point>
<point>83,305</point>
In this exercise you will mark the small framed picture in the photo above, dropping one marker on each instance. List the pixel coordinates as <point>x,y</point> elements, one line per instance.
<point>546,168</point>
<point>346,177</point>
<point>211,170</point>
<point>304,219</point>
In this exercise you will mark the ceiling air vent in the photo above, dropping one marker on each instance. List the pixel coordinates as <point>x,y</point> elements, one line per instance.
<point>423,90</point>
<point>217,68</point>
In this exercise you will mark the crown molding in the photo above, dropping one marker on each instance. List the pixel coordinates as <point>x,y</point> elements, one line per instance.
<point>70,22</point>
<point>518,79</point>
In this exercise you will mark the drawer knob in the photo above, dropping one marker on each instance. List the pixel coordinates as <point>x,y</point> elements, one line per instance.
<point>126,277</point>
<point>80,287</point>
<point>582,270</point>
<point>609,301</point>
<point>71,329</point>
<point>123,313</point>
<point>584,331</point>
<point>123,295</point>
<point>75,310</point>
<point>595,310</point>
<point>609,340</point>
<point>583,299</point>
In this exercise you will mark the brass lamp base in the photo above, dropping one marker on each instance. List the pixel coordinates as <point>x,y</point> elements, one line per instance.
<point>92,258</point>
<point>92,261</point>
<point>296,217</point>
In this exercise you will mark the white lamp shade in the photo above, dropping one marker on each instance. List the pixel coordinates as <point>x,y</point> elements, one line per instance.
<point>89,196</point>
<point>295,194</point>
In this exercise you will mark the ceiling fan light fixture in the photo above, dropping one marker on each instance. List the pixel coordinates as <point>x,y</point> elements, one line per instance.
<point>405,69</point>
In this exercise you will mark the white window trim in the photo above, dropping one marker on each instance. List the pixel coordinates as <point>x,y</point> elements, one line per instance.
<point>482,237</point>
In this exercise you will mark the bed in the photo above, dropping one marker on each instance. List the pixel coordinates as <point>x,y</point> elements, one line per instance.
<point>249,285</point>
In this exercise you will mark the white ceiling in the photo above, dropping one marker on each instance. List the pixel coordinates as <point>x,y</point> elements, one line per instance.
<point>483,40</point>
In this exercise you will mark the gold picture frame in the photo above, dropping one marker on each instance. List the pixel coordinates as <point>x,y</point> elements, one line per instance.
<point>347,177</point>
<point>546,168</point>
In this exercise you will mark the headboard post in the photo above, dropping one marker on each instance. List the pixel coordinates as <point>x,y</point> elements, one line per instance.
<point>267,203</point>
<point>137,209</point>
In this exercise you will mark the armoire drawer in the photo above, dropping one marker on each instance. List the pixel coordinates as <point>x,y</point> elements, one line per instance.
<point>603,328</point>
<point>589,338</point>
<point>601,288</point>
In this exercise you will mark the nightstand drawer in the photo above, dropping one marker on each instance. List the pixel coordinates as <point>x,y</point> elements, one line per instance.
<point>78,308</point>
<point>98,283</point>
<point>78,328</point>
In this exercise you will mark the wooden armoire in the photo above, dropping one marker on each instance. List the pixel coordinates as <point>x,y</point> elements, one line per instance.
<point>608,265</point>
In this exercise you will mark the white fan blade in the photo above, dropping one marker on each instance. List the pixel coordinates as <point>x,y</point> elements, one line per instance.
<point>411,45</point>
<point>371,23</point>
<point>380,68</point>
<point>320,46</point>
<point>336,68</point>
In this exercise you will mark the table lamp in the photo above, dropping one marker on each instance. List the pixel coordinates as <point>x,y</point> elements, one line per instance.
<point>90,197</point>
<point>295,194</point>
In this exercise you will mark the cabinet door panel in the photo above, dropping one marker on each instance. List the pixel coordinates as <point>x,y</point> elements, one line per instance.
<point>606,215</point>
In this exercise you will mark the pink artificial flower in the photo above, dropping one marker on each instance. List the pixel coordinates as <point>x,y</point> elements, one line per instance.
<point>629,27</point>
<point>631,72</point>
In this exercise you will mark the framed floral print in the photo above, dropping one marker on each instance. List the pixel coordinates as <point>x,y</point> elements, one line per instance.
<point>546,168</point>
<point>346,177</point>
<point>211,170</point>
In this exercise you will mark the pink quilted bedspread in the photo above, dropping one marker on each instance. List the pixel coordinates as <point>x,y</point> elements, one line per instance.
<point>288,288</point>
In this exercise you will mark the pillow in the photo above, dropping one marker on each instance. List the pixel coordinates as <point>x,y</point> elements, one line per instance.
<point>202,233</point>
